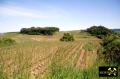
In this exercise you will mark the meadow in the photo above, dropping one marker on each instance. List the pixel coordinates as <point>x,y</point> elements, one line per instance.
<point>46,57</point>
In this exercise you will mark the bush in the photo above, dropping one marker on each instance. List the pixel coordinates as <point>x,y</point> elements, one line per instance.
<point>108,39</point>
<point>112,52</point>
<point>99,31</point>
<point>6,41</point>
<point>39,30</point>
<point>67,37</point>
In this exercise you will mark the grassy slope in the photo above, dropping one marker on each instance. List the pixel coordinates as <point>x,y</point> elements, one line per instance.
<point>34,56</point>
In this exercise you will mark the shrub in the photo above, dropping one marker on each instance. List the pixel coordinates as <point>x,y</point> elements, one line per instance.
<point>67,37</point>
<point>99,31</point>
<point>112,52</point>
<point>6,41</point>
<point>108,39</point>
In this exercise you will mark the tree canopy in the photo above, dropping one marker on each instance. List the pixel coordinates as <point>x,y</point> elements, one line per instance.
<point>99,31</point>
<point>39,30</point>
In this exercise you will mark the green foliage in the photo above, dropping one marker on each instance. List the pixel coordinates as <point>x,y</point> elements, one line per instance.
<point>67,37</point>
<point>99,31</point>
<point>117,34</point>
<point>6,41</point>
<point>112,52</point>
<point>39,30</point>
<point>108,39</point>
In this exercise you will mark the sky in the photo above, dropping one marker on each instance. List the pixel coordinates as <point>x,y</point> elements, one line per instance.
<point>65,14</point>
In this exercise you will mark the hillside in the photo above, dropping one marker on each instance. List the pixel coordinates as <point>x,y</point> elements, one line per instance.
<point>33,55</point>
<point>116,30</point>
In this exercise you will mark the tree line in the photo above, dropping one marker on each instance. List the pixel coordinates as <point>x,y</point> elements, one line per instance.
<point>39,30</point>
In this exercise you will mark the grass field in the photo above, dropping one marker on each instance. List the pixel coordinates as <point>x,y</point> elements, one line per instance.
<point>45,57</point>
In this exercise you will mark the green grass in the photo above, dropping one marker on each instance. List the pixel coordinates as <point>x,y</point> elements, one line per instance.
<point>90,46</point>
<point>58,71</point>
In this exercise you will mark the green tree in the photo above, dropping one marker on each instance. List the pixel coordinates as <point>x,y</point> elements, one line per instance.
<point>99,31</point>
<point>39,30</point>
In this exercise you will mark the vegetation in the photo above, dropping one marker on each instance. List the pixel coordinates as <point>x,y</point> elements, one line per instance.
<point>67,37</point>
<point>99,31</point>
<point>39,30</point>
<point>112,52</point>
<point>108,39</point>
<point>89,47</point>
<point>6,41</point>
<point>110,45</point>
<point>59,71</point>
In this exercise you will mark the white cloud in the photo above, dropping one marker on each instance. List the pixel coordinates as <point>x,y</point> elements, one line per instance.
<point>18,11</point>
<point>24,12</point>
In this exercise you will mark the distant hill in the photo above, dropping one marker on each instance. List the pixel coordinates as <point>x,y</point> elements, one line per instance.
<point>116,30</point>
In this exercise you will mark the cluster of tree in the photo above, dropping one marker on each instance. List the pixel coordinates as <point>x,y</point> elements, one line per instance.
<point>39,30</point>
<point>67,37</point>
<point>111,43</point>
<point>99,31</point>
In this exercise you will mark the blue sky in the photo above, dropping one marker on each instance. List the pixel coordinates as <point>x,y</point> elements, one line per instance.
<point>65,14</point>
